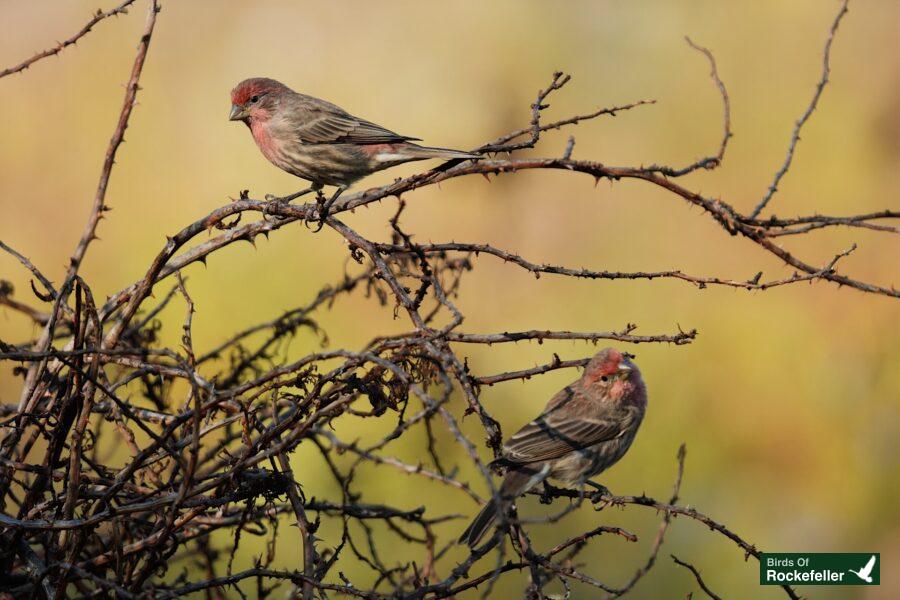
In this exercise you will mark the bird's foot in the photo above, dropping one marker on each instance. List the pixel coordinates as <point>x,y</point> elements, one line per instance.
<point>602,497</point>
<point>602,490</point>
<point>316,214</point>
<point>325,205</point>
<point>548,493</point>
<point>271,206</point>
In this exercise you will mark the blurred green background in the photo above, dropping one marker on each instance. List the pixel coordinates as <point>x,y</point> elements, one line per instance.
<point>788,400</point>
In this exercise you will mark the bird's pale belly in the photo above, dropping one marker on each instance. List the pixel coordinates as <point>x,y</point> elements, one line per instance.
<point>324,164</point>
<point>579,466</point>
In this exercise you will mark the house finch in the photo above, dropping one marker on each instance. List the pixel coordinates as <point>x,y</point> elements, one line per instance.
<point>585,428</point>
<point>318,141</point>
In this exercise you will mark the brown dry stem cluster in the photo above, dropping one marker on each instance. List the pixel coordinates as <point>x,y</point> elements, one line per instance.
<point>211,453</point>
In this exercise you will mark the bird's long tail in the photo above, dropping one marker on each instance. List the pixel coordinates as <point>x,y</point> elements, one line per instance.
<point>415,151</point>
<point>514,484</point>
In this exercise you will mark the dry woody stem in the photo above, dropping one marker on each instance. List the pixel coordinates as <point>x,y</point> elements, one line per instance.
<point>205,436</point>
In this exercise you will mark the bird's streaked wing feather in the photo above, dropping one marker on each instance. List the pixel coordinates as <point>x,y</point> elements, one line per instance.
<point>325,123</point>
<point>553,435</point>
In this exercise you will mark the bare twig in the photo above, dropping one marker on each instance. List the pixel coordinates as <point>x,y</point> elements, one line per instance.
<point>96,18</point>
<point>696,574</point>
<point>795,136</point>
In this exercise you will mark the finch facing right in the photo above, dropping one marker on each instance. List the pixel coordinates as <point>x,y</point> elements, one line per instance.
<point>585,429</point>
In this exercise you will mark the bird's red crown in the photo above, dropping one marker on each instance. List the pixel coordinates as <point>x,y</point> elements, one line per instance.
<point>606,362</point>
<point>254,87</point>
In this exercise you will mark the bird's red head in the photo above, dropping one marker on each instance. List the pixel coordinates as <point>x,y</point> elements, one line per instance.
<point>254,98</point>
<point>604,363</point>
<point>612,374</point>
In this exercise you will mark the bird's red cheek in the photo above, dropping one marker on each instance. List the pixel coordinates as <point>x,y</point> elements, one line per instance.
<point>260,114</point>
<point>618,390</point>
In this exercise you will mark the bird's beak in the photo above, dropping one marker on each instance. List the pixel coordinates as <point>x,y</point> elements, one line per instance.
<point>237,113</point>
<point>625,370</point>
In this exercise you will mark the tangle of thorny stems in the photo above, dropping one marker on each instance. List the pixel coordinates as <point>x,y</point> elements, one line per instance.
<point>211,452</point>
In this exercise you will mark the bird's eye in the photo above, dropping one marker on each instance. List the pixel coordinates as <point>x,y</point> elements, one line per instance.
<point>254,99</point>
<point>605,378</point>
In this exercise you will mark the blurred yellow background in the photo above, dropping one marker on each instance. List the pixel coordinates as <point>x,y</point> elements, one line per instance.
<point>788,400</point>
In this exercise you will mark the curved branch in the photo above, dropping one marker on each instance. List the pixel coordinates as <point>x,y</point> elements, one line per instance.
<point>98,16</point>
<point>795,136</point>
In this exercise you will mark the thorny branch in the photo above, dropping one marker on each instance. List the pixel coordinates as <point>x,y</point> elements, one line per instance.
<point>697,576</point>
<point>795,136</point>
<point>122,457</point>
<point>59,47</point>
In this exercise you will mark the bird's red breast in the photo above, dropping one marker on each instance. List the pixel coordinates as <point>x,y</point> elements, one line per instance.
<point>263,138</point>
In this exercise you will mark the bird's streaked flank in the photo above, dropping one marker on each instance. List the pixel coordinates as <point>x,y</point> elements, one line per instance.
<point>320,142</point>
<point>585,429</point>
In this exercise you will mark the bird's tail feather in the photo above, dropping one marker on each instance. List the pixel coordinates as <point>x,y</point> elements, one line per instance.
<point>425,152</point>
<point>479,526</point>
<point>514,484</point>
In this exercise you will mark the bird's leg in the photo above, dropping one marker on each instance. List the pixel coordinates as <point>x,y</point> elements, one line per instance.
<point>602,489</point>
<point>320,201</point>
<point>312,188</point>
<point>275,200</point>
<point>548,492</point>
<point>598,496</point>
<point>325,206</point>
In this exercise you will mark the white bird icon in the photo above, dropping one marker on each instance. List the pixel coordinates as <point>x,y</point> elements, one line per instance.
<point>866,572</point>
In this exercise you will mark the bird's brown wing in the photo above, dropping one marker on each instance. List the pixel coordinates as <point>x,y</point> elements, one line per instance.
<point>554,435</point>
<point>325,123</point>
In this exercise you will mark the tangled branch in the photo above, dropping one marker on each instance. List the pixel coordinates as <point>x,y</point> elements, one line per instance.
<point>123,454</point>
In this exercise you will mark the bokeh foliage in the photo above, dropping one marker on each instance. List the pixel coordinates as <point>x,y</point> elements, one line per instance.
<point>788,401</point>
